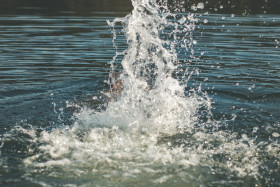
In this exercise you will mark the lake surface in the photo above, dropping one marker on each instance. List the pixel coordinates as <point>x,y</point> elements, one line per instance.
<point>52,72</point>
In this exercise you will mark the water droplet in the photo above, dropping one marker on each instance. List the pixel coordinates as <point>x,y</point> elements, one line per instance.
<point>255,129</point>
<point>200,5</point>
<point>182,20</point>
<point>193,7</point>
<point>275,134</point>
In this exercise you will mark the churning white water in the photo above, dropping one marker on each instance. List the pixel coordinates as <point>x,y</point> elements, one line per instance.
<point>157,131</point>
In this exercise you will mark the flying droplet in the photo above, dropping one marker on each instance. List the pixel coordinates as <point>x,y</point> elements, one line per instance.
<point>275,134</point>
<point>200,5</point>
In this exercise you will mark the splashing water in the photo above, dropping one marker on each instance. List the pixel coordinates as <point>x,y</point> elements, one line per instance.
<point>151,96</point>
<point>154,132</point>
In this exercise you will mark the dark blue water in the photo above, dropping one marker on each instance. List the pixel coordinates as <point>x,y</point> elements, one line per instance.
<point>241,66</point>
<point>46,59</point>
<point>49,62</point>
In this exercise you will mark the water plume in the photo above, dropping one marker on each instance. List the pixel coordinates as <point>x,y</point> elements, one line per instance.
<point>157,130</point>
<point>150,90</point>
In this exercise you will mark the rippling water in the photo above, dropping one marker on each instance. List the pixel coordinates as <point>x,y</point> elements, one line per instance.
<point>52,72</point>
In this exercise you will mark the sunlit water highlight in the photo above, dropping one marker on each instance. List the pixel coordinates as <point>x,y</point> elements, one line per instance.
<point>159,130</point>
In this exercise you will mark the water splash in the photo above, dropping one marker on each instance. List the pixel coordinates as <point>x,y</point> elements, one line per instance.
<point>154,132</point>
<point>151,95</point>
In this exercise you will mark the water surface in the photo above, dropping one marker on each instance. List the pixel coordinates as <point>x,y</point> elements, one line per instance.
<point>52,73</point>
